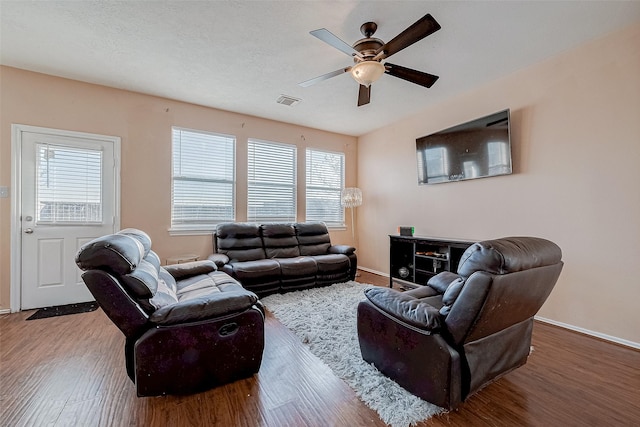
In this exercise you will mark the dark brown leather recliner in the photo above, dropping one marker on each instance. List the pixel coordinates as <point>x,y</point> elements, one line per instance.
<point>188,327</point>
<point>448,339</point>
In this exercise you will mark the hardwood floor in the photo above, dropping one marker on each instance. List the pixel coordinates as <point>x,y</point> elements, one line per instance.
<point>69,371</point>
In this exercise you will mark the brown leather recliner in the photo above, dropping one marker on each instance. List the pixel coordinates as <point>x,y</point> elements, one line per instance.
<point>448,339</point>
<point>188,327</point>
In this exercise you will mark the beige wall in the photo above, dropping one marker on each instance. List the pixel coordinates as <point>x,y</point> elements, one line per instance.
<point>576,152</point>
<point>144,124</point>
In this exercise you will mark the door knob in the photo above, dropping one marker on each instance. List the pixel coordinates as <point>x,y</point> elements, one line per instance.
<point>28,230</point>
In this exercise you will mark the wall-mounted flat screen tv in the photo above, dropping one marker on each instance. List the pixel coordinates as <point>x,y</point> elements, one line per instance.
<point>477,149</point>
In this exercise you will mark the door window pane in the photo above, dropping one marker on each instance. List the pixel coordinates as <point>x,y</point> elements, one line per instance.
<point>68,185</point>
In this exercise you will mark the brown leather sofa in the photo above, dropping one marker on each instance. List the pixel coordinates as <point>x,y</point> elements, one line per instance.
<point>269,258</point>
<point>188,327</point>
<point>448,339</point>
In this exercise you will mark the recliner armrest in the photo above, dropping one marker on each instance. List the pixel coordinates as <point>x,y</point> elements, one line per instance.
<point>188,269</point>
<point>341,249</point>
<point>441,281</point>
<point>405,308</point>
<point>204,307</point>
<point>219,259</point>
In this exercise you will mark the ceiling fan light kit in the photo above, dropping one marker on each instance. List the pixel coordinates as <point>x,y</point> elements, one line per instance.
<point>368,53</point>
<point>367,72</point>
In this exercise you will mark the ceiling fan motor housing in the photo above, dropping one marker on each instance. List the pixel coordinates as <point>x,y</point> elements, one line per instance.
<point>367,48</point>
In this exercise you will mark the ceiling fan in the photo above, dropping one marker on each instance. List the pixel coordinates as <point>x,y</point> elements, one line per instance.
<point>369,52</point>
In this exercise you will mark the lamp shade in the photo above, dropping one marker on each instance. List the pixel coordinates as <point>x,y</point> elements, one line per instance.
<point>350,197</point>
<point>367,72</point>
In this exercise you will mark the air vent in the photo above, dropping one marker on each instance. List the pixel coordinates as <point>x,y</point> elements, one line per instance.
<point>287,100</point>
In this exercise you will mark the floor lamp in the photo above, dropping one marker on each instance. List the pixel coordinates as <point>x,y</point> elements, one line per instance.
<point>351,197</point>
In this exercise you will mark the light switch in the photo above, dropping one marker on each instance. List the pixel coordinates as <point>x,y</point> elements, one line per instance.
<point>4,192</point>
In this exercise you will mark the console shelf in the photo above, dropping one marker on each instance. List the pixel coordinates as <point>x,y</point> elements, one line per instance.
<point>414,260</point>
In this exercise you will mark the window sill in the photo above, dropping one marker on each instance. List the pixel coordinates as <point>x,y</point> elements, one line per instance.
<point>337,227</point>
<point>191,231</point>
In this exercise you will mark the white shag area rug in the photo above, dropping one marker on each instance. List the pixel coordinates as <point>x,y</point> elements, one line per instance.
<point>325,319</point>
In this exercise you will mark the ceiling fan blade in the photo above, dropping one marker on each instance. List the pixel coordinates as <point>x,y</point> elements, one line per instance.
<point>315,80</point>
<point>364,95</point>
<point>420,29</point>
<point>413,76</point>
<point>331,39</point>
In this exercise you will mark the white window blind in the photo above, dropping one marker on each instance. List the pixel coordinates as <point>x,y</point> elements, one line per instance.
<point>325,181</point>
<point>271,188</point>
<point>203,186</point>
<point>68,188</point>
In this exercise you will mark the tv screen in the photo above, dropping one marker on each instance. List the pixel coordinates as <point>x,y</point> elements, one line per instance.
<point>476,149</point>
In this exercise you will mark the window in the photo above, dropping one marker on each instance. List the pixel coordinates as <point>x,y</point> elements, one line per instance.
<point>68,188</point>
<point>499,161</point>
<point>271,188</point>
<point>203,179</point>
<point>325,181</point>
<point>437,162</point>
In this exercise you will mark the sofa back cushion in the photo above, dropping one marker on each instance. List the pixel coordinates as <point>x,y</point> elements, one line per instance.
<point>280,240</point>
<point>116,253</point>
<point>128,256</point>
<point>313,238</point>
<point>140,236</point>
<point>239,241</point>
<point>165,294</point>
<point>508,255</point>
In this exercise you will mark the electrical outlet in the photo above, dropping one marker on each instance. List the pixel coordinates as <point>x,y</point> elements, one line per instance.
<point>4,192</point>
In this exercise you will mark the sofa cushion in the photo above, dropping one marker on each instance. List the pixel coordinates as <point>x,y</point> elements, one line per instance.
<point>302,266</point>
<point>168,279</point>
<point>280,240</point>
<point>406,308</point>
<point>239,241</point>
<point>163,297</point>
<point>143,280</point>
<point>331,263</point>
<point>313,238</point>
<point>217,281</point>
<point>153,258</point>
<point>170,292</point>
<point>266,269</point>
<point>205,296</point>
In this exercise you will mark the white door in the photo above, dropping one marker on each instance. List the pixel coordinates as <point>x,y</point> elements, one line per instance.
<point>68,197</point>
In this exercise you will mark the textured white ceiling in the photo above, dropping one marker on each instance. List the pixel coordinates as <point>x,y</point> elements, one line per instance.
<point>241,56</point>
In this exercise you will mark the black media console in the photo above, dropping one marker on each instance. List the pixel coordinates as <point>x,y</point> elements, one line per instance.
<point>414,260</point>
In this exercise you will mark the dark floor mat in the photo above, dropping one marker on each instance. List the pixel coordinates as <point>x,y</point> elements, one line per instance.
<point>62,310</point>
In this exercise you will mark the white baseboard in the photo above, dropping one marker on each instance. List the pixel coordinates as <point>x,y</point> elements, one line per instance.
<point>369,270</point>
<point>605,337</point>
<point>602,336</point>
<point>5,310</point>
